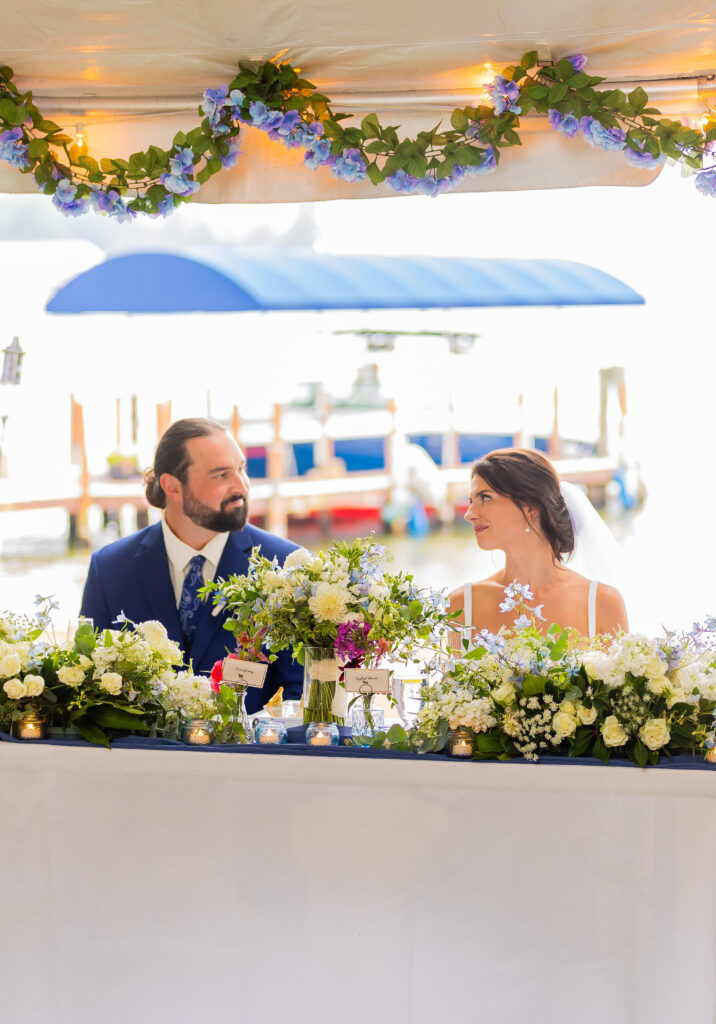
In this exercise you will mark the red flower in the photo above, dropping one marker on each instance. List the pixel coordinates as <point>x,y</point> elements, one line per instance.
<point>217,674</point>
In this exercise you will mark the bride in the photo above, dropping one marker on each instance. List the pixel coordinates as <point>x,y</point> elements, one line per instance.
<point>517,506</point>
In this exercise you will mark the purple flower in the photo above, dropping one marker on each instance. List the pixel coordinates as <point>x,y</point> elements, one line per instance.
<point>403,182</point>
<point>489,163</point>
<point>599,137</point>
<point>285,128</point>
<point>504,94</point>
<point>578,61</point>
<point>567,124</point>
<point>264,117</point>
<point>164,208</point>
<point>351,642</point>
<point>235,98</point>
<point>706,182</point>
<point>214,102</point>
<point>13,150</point>
<point>66,200</point>
<point>319,155</point>
<point>111,203</point>
<point>180,165</point>
<point>349,166</point>
<point>183,160</point>
<point>639,158</point>
<point>230,158</point>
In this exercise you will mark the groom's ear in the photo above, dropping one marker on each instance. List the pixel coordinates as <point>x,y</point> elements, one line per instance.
<point>171,486</point>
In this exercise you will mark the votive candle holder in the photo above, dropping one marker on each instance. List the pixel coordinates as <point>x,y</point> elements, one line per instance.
<point>31,727</point>
<point>461,742</point>
<point>271,732</point>
<point>197,732</point>
<point>322,734</point>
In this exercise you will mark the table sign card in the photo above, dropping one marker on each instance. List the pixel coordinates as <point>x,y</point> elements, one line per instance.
<point>367,680</point>
<point>243,673</point>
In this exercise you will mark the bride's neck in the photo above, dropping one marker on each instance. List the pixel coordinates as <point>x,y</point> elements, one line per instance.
<point>533,566</point>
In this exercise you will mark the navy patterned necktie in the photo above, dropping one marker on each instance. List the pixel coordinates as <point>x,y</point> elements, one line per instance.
<point>189,601</point>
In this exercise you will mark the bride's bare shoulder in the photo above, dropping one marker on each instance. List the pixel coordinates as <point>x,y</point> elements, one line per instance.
<point>483,588</point>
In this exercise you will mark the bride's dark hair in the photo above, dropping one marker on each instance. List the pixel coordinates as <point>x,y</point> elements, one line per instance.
<point>528,479</point>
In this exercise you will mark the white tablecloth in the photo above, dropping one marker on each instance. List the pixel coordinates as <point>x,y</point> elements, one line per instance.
<point>176,886</point>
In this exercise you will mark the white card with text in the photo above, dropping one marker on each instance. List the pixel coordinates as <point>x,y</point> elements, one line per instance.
<point>367,680</point>
<point>244,673</point>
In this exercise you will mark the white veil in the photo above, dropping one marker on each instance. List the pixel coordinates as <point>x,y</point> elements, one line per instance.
<point>596,552</point>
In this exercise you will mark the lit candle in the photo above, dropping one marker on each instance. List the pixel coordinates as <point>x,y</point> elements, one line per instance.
<point>31,727</point>
<point>711,756</point>
<point>321,738</point>
<point>462,748</point>
<point>268,736</point>
<point>198,735</point>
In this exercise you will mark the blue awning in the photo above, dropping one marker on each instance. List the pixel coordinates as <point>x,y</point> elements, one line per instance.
<point>221,279</point>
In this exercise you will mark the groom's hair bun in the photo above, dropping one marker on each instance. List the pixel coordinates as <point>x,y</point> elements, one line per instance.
<point>172,457</point>
<point>528,479</point>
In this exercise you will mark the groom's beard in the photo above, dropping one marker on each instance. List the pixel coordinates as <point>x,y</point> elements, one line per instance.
<point>217,520</point>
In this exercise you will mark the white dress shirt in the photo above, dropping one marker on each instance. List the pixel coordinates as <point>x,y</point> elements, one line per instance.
<point>180,555</point>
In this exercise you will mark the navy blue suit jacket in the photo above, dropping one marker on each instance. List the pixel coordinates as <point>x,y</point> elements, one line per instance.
<point>132,576</point>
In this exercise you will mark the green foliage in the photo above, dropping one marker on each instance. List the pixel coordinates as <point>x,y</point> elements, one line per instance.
<point>433,154</point>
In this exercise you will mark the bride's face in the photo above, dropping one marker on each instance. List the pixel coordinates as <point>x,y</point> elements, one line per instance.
<point>495,518</point>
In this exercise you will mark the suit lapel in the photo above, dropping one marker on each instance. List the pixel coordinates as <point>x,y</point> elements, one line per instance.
<point>234,561</point>
<point>152,567</point>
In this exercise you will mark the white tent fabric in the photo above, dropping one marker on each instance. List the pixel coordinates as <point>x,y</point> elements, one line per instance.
<point>134,72</point>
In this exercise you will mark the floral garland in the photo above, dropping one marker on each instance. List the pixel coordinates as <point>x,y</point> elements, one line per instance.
<point>274,99</point>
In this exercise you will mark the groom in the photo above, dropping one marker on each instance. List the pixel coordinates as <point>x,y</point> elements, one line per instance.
<point>199,480</point>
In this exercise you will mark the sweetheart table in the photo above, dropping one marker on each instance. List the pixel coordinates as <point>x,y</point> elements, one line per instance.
<point>150,886</point>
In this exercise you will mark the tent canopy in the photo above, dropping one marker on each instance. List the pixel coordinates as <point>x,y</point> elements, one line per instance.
<point>133,71</point>
<point>225,279</point>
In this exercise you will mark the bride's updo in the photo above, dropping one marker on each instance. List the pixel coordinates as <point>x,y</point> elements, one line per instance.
<point>527,478</point>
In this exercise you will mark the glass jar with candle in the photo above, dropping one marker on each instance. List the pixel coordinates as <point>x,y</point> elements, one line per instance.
<point>322,734</point>
<point>270,732</point>
<point>31,727</point>
<point>461,742</point>
<point>197,732</point>
<point>324,698</point>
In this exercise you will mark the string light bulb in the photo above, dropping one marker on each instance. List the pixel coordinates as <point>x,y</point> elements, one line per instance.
<point>80,139</point>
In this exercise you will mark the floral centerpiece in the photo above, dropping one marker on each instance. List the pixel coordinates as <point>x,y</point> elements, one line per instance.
<point>95,683</point>
<point>525,694</point>
<point>340,603</point>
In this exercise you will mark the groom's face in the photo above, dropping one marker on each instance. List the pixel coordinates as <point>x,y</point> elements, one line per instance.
<point>215,494</point>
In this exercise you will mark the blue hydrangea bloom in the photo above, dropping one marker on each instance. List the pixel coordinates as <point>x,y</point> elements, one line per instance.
<point>577,61</point>
<point>182,161</point>
<point>489,163</point>
<point>214,102</point>
<point>13,150</point>
<point>599,137</point>
<point>567,124</point>
<point>230,158</point>
<point>504,95</point>
<point>307,135</point>
<point>235,98</point>
<point>264,117</point>
<point>402,182</point>
<point>283,130</point>
<point>180,165</point>
<point>319,155</point>
<point>65,199</point>
<point>639,158</point>
<point>706,185</point>
<point>111,203</point>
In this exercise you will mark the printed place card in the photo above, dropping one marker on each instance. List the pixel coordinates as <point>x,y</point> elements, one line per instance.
<point>244,673</point>
<point>367,680</point>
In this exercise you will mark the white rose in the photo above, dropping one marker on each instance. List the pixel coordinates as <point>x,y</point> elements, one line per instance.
<point>71,675</point>
<point>298,557</point>
<point>35,685</point>
<point>15,689</point>
<point>10,665</point>
<point>564,724</point>
<point>656,684</point>
<point>655,667</point>
<point>153,632</point>
<point>595,663</point>
<point>568,706</point>
<point>272,581</point>
<point>613,733</point>
<point>586,715</point>
<point>504,694</point>
<point>84,662</point>
<point>654,733</point>
<point>111,682</point>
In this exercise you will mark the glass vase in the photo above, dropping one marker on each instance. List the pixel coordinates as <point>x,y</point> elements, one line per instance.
<point>324,698</point>
<point>365,720</point>
<point>236,726</point>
